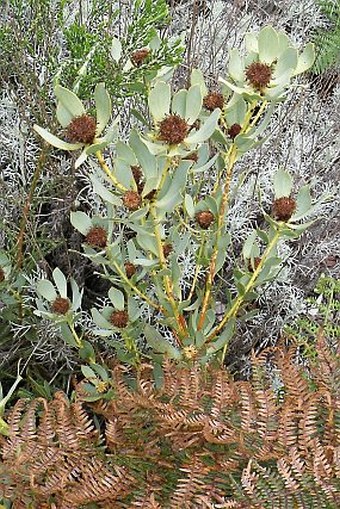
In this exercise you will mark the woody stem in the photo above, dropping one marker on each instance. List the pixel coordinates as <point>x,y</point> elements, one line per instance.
<point>108,172</point>
<point>231,157</point>
<point>240,299</point>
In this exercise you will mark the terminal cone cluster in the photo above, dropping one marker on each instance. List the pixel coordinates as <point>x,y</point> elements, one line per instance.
<point>96,237</point>
<point>283,208</point>
<point>82,130</point>
<point>173,129</point>
<point>258,75</point>
<point>60,306</point>
<point>119,319</point>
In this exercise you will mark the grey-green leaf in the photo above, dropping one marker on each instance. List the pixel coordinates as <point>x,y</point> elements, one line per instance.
<point>55,141</point>
<point>282,184</point>
<point>197,78</point>
<point>63,115</point>
<point>103,107</point>
<point>235,68</point>
<point>88,372</point>
<point>99,320</point>
<point>159,100</point>
<point>268,45</point>
<point>81,159</point>
<point>248,245</point>
<point>236,110</point>
<point>223,339</point>
<point>179,103</point>
<point>46,289</point>
<point>287,60</point>
<point>126,153</point>
<point>145,158</point>
<point>160,344</point>
<point>81,222</point>
<point>303,202</point>
<point>117,298</point>
<point>76,295</point>
<point>206,130</point>
<point>189,205</point>
<point>69,100</point>
<point>306,59</point>
<point>95,147</point>
<point>173,195</point>
<point>222,253</point>
<point>60,282</point>
<point>116,49</point>
<point>103,192</point>
<point>194,103</point>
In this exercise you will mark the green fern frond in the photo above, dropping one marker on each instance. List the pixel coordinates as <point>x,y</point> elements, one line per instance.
<point>327,41</point>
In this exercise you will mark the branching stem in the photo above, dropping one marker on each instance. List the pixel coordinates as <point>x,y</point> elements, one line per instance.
<point>198,267</point>
<point>182,327</point>
<point>108,172</point>
<point>231,158</point>
<point>75,335</point>
<point>240,299</point>
<point>134,288</point>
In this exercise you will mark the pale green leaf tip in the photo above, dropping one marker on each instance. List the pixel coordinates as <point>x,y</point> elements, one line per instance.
<point>59,88</point>
<point>81,159</point>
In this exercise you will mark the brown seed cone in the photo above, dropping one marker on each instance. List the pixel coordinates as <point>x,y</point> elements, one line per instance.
<point>119,319</point>
<point>283,208</point>
<point>331,260</point>
<point>60,306</point>
<point>132,200</point>
<point>2,275</point>
<point>130,269</point>
<point>82,129</point>
<point>167,249</point>
<point>234,130</point>
<point>96,237</point>
<point>213,100</point>
<point>205,218</point>
<point>173,129</point>
<point>138,56</point>
<point>256,263</point>
<point>258,75</point>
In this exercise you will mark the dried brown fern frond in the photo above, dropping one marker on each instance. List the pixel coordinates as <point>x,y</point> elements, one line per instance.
<point>190,484</point>
<point>146,502</point>
<point>202,440</point>
<point>52,453</point>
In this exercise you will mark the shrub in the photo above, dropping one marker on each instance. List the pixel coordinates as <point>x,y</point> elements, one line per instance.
<point>154,189</point>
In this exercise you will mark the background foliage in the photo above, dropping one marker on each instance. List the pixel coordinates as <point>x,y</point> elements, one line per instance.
<point>71,41</point>
<point>328,39</point>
